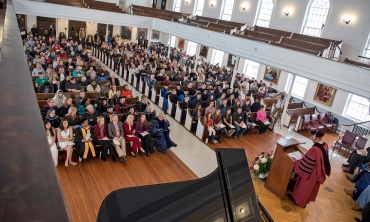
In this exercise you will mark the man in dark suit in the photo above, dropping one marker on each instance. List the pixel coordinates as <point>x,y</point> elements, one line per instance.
<point>115,133</point>
<point>355,160</point>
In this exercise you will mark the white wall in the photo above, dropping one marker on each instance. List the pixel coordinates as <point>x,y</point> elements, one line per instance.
<point>116,30</point>
<point>91,28</point>
<point>61,27</point>
<point>146,3</point>
<point>187,8</point>
<point>246,16</point>
<point>212,12</point>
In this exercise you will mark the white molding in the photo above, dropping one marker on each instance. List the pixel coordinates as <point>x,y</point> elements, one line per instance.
<point>342,76</point>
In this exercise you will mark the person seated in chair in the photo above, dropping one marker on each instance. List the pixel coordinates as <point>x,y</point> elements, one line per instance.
<point>93,87</point>
<point>46,88</point>
<point>163,124</point>
<point>115,132</point>
<point>72,86</point>
<point>238,122</point>
<point>40,80</point>
<point>355,160</point>
<point>108,114</point>
<point>78,72</point>
<point>91,115</point>
<point>50,104</point>
<point>262,120</point>
<point>142,130</point>
<point>122,106</point>
<point>101,134</point>
<point>141,105</point>
<point>84,139</point>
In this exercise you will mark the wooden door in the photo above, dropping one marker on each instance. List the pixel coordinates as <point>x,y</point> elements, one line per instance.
<point>43,25</point>
<point>102,29</point>
<point>74,28</point>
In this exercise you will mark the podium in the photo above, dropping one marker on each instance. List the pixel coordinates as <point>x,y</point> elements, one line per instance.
<point>280,175</point>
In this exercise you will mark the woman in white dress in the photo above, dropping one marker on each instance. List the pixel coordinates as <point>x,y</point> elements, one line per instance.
<point>50,134</point>
<point>65,137</point>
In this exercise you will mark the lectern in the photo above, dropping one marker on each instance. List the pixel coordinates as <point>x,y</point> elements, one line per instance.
<point>281,170</point>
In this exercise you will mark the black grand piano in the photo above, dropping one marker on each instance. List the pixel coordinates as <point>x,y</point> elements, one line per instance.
<point>225,195</point>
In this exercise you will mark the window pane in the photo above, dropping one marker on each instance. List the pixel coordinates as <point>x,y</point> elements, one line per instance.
<point>299,87</point>
<point>366,52</point>
<point>217,57</point>
<point>265,12</point>
<point>316,18</point>
<point>227,10</point>
<point>199,7</point>
<point>357,108</point>
<point>251,68</point>
<point>176,5</point>
<point>173,39</point>
<point>192,48</point>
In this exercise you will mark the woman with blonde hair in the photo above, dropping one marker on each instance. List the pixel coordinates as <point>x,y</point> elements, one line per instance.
<point>112,91</point>
<point>65,138</point>
<point>129,132</point>
<point>72,117</point>
<point>63,110</point>
<point>53,78</point>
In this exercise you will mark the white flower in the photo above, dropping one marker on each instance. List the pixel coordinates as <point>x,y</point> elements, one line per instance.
<point>263,160</point>
<point>256,167</point>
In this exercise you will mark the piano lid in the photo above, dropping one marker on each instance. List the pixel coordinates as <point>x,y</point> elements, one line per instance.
<point>225,195</point>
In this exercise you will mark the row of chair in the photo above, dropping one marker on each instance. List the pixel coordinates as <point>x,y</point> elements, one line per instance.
<point>350,142</point>
<point>317,122</point>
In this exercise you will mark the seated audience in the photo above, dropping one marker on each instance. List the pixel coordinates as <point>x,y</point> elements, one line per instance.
<point>84,139</point>
<point>129,132</point>
<point>72,118</point>
<point>126,92</point>
<point>108,113</point>
<point>141,105</point>
<point>45,88</point>
<point>122,106</point>
<point>112,91</point>
<point>355,160</point>
<point>143,132</point>
<point>40,80</point>
<point>238,123</point>
<point>262,120</point>
<point>256,106</point>
<point>50,104</point>
<point>59,99</point>
<point>115,132</point>
<point>101,134</point>
<point>65,141</point>
<point>149,113</point>
<point>78,72</point>
<point>211,108</point>
<point>53,118</point>
<point>72,86</point>
<point>83,81</point>
<point>197,100</point>
<point>91,115</point>
<point>50,135</point>
<point>219,126</point>
<point>38,69</point>
<point>208,123</point>
<point>93,87</point>
<point>163,125</point>
<point>63,110</point>
<point>116,98</point>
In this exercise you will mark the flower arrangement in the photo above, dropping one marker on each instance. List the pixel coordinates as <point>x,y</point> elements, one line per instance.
<point>261,164</point>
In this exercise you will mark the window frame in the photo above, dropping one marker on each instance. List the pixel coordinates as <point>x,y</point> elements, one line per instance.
<point>305,89</point>
<point>196,7</point>
<point>308,14</point>
<point>224,3</point>
<point>188,49</point>
<point>247,65</point>
<point>258,14</point>
<point>175,2</point>
<point>215,51</point>
<point>366,51</point>
<point>348,104</point>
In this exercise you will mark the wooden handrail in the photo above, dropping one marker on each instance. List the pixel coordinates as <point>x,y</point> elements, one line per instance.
<point>353,124</point>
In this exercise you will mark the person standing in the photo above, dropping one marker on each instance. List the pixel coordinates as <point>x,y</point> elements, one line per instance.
<point>82,36</point>
<point>312,170</point>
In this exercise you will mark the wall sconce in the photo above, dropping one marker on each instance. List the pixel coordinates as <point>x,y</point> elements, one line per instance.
<point>346,20</point>
<point>186,2</point>
<point>243,8</point>
<point>62,20</point>
<point>286,13</point>
<point>211,4</point>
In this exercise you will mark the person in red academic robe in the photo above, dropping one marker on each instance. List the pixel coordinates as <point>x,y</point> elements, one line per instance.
<point>312,170</point>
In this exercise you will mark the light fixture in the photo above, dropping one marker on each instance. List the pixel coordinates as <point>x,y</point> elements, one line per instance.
<point>62,20</point>
<point>187,2</point>
<point>211,4</point>
<point>242,210</point>
<point>286,13</point>
<point>346,20</point>
<point>243,8</point>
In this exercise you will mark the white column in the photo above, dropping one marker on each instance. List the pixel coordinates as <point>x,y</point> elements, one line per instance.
<point>169,46</point>
<point>289,93</point>
<point>197,51</point>
<point>106,33</point>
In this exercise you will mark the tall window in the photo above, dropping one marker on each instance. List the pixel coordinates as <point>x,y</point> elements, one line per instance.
<point>176,5</point>
<point>172,39</point>
<point>199,5</point>
<point>227,10</point>
<point>366,52</point>
<point>314,22</point>
<point>299,87</point>
<point>217,57</point>
<point>357,108</point>
<point>288,82</point>
<point>251,68</point>
<point>192,48</point>
<point>264,13</point>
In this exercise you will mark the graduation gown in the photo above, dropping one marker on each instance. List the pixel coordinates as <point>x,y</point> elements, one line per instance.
<point>81,148</point>
<point>159,139</point>
<point>311,173</point>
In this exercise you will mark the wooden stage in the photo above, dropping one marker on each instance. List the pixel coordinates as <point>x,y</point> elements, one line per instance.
<point>85,186</point>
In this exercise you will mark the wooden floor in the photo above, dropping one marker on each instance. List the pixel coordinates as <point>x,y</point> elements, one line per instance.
<point>85,186</point>
<point>329,206</point>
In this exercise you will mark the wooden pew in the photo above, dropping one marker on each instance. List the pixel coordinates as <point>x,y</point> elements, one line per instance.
<point>313,39</point>
<point>359,64</point>
<point>268,102</point>
<point>295,113</point>
<point>288,119</point>
<point>253,117</point>
<point>299,45</point>
<point>272,31</point>
<point>239,26</point>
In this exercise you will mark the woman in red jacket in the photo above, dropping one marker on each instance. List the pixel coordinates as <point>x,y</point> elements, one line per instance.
<point>129,132</point>
<point>126,92</point>
<point>100,130</point>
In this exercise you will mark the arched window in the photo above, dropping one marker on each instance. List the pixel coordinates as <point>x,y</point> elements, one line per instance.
<point>177,5</point>
<point>314,22</point>
<point>264,13</point>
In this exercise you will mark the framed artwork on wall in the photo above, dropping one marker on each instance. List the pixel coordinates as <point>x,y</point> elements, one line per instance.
<point>231,61</point>
<point>272,74</point>
<point>324,94</point>
<point>143,32</point>
<point>155,34</point>
<point>181,43</point>
<point>126,32</point>
<point>203,51</point>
